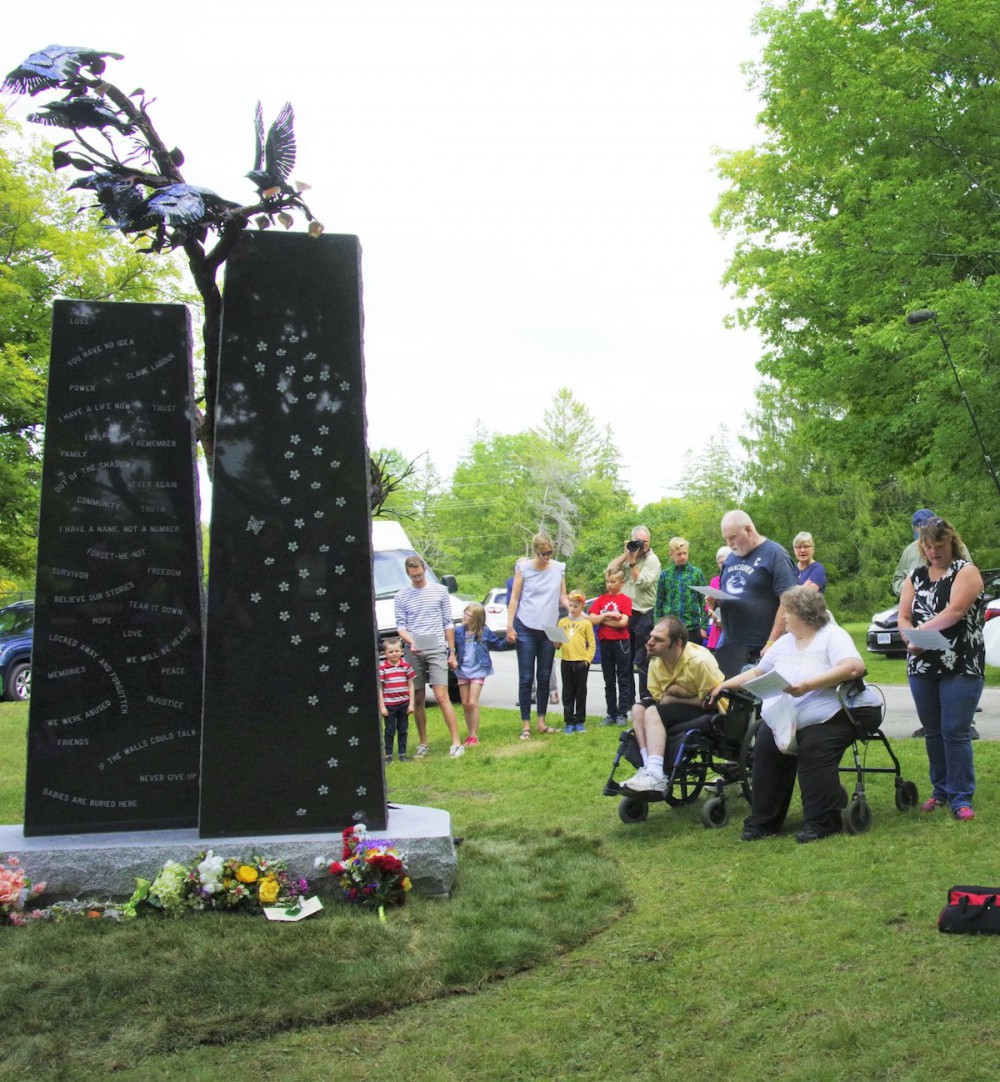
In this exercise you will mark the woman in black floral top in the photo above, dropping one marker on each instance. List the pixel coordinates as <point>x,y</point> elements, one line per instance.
<point>946,595</point>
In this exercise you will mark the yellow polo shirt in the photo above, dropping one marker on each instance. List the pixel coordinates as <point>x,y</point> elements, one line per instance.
<point>696,671</point>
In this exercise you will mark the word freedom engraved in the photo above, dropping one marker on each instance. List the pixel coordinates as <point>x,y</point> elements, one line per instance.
<point>114,731</point>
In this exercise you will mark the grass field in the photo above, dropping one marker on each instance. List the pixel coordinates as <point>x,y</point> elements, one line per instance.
<point>575,947</point>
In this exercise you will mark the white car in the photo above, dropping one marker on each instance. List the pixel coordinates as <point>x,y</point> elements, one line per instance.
<point>495,604</point>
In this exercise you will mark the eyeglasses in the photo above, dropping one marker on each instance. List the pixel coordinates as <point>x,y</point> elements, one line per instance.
<point>543,555</point>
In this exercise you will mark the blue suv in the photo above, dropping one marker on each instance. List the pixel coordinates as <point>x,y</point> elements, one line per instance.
<point>17,623</point>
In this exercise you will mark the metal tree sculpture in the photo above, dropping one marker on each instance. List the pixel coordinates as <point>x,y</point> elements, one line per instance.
<point>140,188</point>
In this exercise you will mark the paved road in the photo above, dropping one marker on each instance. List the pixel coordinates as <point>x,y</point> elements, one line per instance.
<point>500,690</point>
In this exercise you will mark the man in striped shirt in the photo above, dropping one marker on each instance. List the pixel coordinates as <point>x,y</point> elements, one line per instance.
<point>424,609</point>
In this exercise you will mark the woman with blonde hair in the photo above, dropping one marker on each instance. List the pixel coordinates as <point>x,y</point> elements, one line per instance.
<point>945,595</point>
<point>473,640</point>
<point>538,592</point>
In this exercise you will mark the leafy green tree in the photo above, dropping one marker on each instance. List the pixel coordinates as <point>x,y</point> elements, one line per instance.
<point>713,474</point>
<point>48,249</point>
<point>874,192</point>
<point>558,476</point>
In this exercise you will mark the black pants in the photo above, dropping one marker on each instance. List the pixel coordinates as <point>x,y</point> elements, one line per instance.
<point>733,657</point>
<point>820,749</point>
<point>616,664</point>
<point>397,724</point>
<point>640,624</point>
<point>574,691</point>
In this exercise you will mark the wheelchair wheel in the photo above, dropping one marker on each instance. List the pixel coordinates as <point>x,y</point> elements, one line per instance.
<point>906,795</point>
<point>858,819</point>
<point>715,812</point>
<point>689,783</point>
<point>632,810</point>
<point>745,761</point>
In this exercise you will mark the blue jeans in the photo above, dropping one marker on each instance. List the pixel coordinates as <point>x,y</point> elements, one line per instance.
<point>946,706</point>
<point>533,646</point>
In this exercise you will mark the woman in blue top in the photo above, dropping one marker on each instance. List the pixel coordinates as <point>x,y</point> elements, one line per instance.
<point>945,595</point>
<point>811,573</point>
<point>472,649</point>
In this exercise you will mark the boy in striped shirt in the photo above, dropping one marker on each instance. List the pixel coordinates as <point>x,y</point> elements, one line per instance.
<point>395,697</point>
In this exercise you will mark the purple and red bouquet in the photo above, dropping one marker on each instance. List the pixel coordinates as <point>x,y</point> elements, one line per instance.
<point>372,874</point>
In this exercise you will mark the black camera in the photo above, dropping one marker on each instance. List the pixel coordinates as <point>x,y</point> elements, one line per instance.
<point>633,546</point>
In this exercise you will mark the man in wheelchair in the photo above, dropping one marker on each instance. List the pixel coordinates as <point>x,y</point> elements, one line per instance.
<point>680,679</point>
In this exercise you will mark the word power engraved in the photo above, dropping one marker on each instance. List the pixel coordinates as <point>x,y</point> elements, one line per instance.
<point>115,718</point>
<point>291,724</point>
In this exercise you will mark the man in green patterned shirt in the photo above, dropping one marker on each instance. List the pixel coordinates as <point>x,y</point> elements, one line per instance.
<point>673,596</point>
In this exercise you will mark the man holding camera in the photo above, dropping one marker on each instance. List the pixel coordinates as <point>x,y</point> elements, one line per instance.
<point>641,567</point>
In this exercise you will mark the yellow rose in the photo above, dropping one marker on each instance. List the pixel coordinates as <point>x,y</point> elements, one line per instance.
<point>246,874</point>
<point>268,890</point>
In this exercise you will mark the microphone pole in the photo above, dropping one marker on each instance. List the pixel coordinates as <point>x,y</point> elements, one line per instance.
<point>922,316</point>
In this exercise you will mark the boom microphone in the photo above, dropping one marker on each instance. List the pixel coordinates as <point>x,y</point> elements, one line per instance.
<point>921,315</point>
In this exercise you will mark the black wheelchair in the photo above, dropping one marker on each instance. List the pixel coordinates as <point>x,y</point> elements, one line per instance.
<point>722,745</point>
<point>709,754</point>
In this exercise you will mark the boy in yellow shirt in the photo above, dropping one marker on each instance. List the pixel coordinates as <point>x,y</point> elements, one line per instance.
<point>576,653</point>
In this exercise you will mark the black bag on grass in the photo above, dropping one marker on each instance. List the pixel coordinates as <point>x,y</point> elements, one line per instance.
<point>971,911</point>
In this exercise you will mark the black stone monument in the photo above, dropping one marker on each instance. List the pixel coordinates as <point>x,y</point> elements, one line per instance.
<point>291,732</point>
<point>115,717</point>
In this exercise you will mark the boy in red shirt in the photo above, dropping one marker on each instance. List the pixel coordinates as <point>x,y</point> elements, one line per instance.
<point>395,696</point>
<point>610,614</point>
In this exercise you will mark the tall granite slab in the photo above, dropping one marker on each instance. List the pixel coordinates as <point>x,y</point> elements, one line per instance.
<point>115,716</point>
<point>291,724</point>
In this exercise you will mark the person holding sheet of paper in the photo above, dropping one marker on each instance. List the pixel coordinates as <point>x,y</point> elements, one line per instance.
<point>753,578</point>
<point>813,657</point>
<point>538,593</point>
<point>946,596</point>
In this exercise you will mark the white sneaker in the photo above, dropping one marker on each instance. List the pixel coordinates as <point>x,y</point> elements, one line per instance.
<point>422,750</point>
<point>643,781</point>
<point>456,750</point>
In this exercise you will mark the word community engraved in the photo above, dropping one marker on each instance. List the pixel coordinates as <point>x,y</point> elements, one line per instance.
<point>291,741</point>
<point>115,717</point>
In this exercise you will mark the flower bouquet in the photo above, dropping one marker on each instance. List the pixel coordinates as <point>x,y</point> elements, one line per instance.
<point>15,890</point>
<point>371,875</point>
<point>211,882</point>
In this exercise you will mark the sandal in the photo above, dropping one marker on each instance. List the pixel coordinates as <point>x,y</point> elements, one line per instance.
<point>525,734</point>
<point>546,729</point>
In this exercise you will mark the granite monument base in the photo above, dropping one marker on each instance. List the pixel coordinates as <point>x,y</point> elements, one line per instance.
<point>105,866</point>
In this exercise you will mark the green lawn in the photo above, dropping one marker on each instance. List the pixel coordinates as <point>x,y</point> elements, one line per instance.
<point>574,947</point>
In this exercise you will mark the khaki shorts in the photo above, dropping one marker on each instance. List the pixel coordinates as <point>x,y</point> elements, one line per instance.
<point>429,667</point>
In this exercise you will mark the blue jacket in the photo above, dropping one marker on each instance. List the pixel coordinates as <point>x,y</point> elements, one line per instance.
<point>483,659</point>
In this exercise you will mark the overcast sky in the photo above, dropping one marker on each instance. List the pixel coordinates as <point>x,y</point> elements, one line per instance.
<point>531,184</point>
